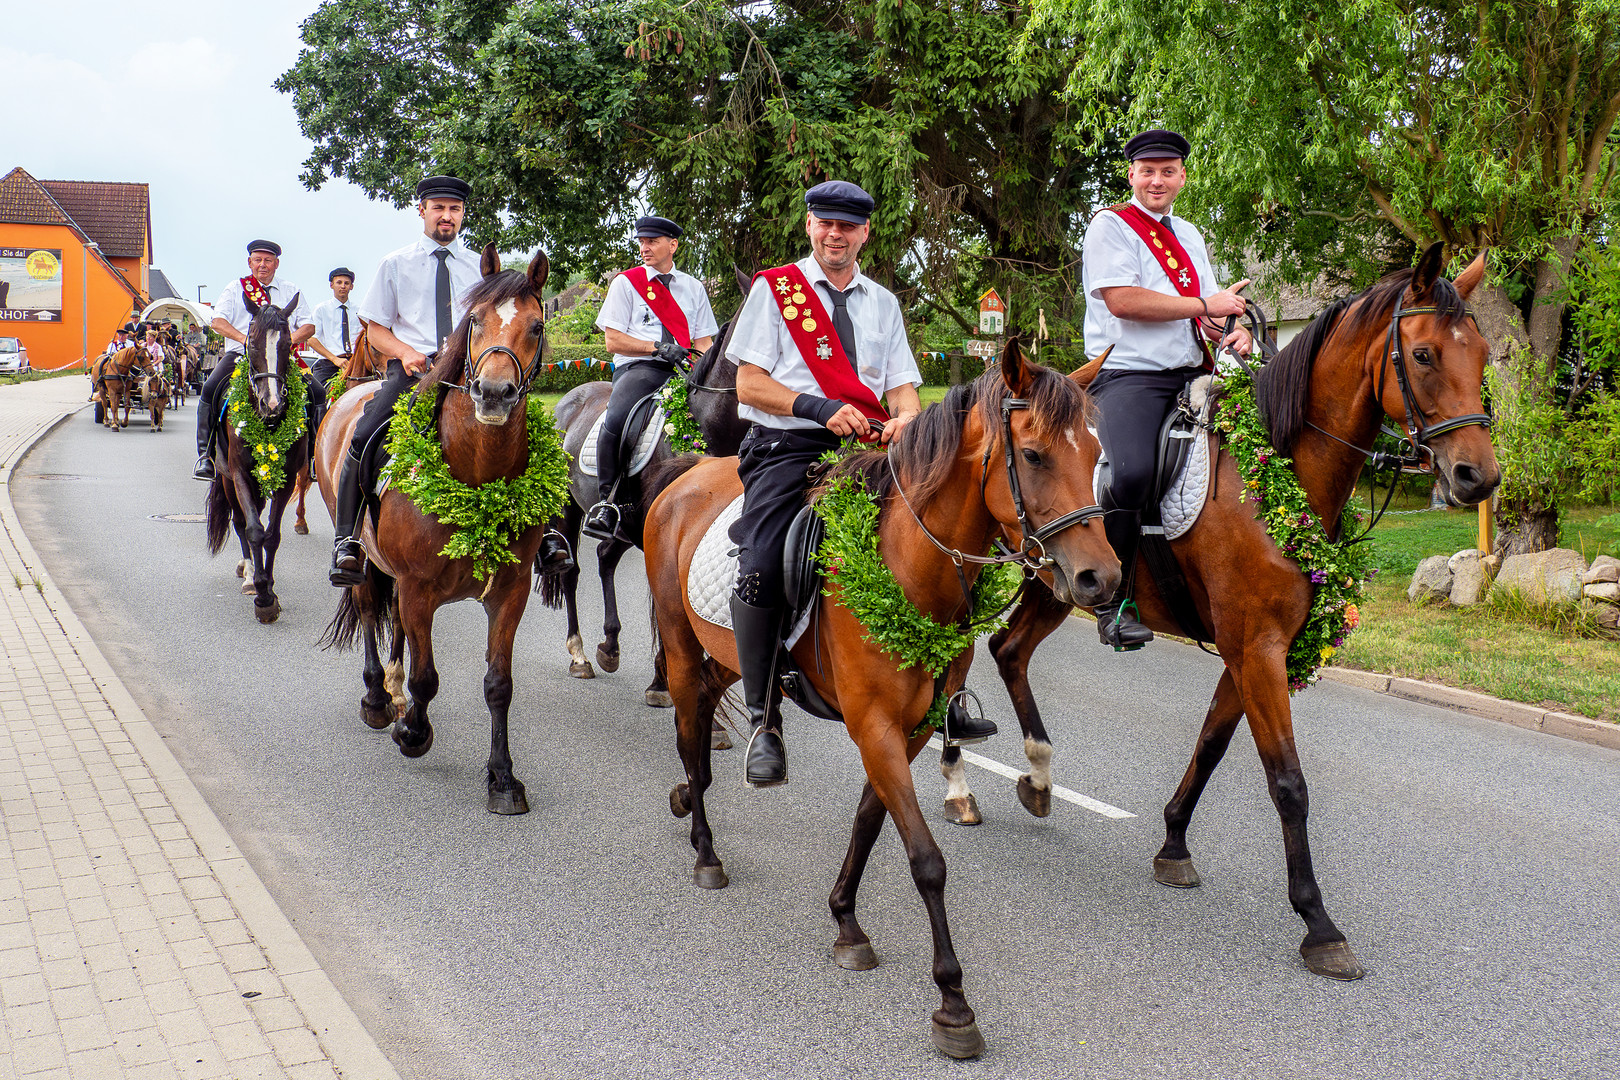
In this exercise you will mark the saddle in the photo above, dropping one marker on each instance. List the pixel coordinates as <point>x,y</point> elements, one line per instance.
<point>636,445</point>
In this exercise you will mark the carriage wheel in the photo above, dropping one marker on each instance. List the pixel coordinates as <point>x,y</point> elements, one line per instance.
<point>101,413</point>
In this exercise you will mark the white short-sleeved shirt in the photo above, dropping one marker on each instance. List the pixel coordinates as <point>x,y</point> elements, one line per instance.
<point>627,311</point>
<point>1114,255</point>
<point>329,324</point>
<point>231,306</point>
<point>883,356</point>
<point>401,296</point>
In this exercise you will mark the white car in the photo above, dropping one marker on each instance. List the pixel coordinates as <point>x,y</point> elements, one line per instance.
<point>13,356</point>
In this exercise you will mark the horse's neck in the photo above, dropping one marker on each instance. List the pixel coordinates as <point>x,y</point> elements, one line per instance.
<point>478,453</point>
<point>959,519</point>
<point>1342,404</point>
<point>716,412</point>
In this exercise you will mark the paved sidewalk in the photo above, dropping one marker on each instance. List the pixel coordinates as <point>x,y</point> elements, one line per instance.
<point>135,940</point>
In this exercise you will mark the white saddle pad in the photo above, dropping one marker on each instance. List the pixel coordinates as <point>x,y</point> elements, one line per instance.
<point>713,576</point>
<point>644,448</point>
<point>1181,505</point>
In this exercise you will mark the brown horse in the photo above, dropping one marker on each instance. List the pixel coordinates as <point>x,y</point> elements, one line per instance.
<point>113,378</point>
<point>155,395</point>
<point>1323,398</point>
<point>1010,445</point>
<point>364,363</point>
<point>482,379</point>
<point>234,496</point>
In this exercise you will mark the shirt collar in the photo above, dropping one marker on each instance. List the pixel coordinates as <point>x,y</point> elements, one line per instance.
<point>1149,213</point>
<point>814,273</point>
<point>427,245</point>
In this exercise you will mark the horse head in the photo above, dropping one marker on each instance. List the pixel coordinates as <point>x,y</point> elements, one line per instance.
<point>1437,399</point>
<point>503,336</point>
<point>1039,455</point>
<point>269,355</point>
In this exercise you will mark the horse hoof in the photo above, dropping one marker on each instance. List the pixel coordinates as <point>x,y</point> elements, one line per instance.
<point>581,669</point>
<point>608,662</point>
<point>508,803</point>
<point>710,877</point>
<point>414,750</point>
<point>248,588</point>
<point>1334,960</point>
<point>1176,873</point>
<point>269,613</point>
<point>660,699</point>
<point>719,739</point>
<point>963,810</point>
<point>377,717</point>
<point>960,1043</point>
<point>301,529</point>
<point>857,957</point>
<point>1036,800</point>
<point>680,800</point>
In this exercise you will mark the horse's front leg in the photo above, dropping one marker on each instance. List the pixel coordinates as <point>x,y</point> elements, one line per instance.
<point>1173,864</point>
<point>853,949</point>
<point>266,605</point>
<point>413,734</point>
<point>1037,617</point>
<point>504,608</point>
<point>608,554</point>
<point>300,526</point>
<point>579,666</point>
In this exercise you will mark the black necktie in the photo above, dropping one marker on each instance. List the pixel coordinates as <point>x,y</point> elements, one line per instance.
<point>345,309</point>
<point>842,322</point>
<point>664,280</point>
<point>441,296</point>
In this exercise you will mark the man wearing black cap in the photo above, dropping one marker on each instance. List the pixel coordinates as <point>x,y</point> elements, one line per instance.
<point>232,319</point>
<point>652,316</point>
<point>415,301</point>
<point>335,325</point>
<point>1151,295</point>
<point>816,345</point>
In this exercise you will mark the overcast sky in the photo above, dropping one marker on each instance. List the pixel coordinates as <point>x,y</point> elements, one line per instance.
<point>178,95</point>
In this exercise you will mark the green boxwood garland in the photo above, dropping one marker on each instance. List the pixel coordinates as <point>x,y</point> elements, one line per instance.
<point>685,437</point>
<point>268,446</point>
<point>867,588</point>
<point>1338,571</point>
<point>487,518</point>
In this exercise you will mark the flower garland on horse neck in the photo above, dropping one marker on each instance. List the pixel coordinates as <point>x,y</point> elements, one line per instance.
<point>680,427</point>
<point>489,517</point>
<point>268,446</point>
<point>859,579</point>
<point>1337,570</point>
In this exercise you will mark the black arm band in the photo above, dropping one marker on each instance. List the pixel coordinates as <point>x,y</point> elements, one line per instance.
<point>819,409</point>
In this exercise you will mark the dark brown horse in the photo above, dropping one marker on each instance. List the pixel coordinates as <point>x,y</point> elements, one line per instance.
<point>1014,439</point>
<point>234,496</point>
<point>482,379</point>
<point>155,396</point>
<point>1323,398</point>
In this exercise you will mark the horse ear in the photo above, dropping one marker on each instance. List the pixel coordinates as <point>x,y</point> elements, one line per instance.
<point>1088,371</point>
<point>539,270</point>
<point>1428,271</point>
<point>1469,279</point>
<point>1014,370</point>
<point>292,306</point>
<point>253,309</point>
<point>745,282</point>
<point>490,263</point>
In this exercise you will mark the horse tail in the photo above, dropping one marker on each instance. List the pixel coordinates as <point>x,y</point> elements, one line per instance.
<point>345,625</point>
<point>660,474</point>
<point>219,516</point>
<point>362,604</point>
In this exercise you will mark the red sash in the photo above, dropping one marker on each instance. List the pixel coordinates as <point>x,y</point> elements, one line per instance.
<point>1173,258</point>
<point>254,291</point>
<point>663,304</point>
<point>812,330</point>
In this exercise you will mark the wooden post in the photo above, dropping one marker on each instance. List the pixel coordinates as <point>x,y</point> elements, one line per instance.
<point>1486,524</point>
<point>956,369</point>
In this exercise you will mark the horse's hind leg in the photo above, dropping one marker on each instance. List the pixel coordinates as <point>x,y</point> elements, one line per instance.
<point>413,734</point>
<point>608,554</point>
<point>696,683</point>
<point>579,666</point>
<point>300,526</point>
<point>1173,864</point>
<point>376,707</point>
<point>853,949</point>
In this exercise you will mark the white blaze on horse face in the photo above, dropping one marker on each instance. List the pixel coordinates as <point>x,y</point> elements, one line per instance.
<point>272,353</point>
<point>1068,433</point>
<point>506,311</point>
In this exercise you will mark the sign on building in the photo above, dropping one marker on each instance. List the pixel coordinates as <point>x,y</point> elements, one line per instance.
<point>992,313</point>
<point>31,284</point>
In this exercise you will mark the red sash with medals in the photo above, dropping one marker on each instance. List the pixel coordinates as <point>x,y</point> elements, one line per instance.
<point>254,291</point>
<point>1172,257</point>
<point>663,304</point>
<point>812,330</point>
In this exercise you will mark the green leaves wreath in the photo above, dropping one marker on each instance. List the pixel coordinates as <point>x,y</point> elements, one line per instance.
<point>268,445</point>
<point>685,437</point>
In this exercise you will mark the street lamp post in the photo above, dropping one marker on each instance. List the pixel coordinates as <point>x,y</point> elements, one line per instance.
<point>84,301</point>
<point>199,294</point>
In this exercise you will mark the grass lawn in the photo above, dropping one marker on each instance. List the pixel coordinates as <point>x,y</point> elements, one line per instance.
<point>12,379</point>
<point>1482,648</point>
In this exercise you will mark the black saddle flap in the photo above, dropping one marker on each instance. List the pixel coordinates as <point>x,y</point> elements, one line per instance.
<point>801,574</point>
<point>1175,446</point>
<point>635,424</point>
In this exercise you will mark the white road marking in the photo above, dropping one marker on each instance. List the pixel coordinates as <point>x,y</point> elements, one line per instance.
<point>1085,802</point>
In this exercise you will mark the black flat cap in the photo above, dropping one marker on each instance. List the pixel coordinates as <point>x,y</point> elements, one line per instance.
<point>264,245</point>
<point>1157,143</point>
<point>342,271</point>
<point>841,201</point>
<point>658,226</point>
<point>442,187</point>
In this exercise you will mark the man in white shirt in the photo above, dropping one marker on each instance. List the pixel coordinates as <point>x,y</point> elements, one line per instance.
<point>1151,295</point>
<point>335,325</point>
<point>232,319</point>
<point>414,304</point>
<point>816,344</point>
<point>651,319</point>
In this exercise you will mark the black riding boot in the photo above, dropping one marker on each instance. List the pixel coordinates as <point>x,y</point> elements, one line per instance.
<point>602,520</point>
<point>207,417</point>
<point>1117,624</point>
<point>348,556</point>
<point>759,636</point>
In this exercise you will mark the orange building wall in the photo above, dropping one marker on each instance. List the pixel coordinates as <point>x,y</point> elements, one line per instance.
<point>58,345</point>
<point>135,271</point>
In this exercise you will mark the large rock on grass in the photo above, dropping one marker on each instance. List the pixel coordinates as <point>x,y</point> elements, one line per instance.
<point>1604,568</point>
<point>1469,578</point>
<point>1431,583</point>
<point>1543,577</point>
<point>1607,591</point>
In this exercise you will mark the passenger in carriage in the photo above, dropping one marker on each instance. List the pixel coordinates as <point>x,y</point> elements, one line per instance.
<point>120,341</point>
<point>1151,295</point>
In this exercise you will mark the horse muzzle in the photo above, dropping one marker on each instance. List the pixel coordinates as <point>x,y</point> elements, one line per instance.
<point>1084,586</point>
<point>493,400</point>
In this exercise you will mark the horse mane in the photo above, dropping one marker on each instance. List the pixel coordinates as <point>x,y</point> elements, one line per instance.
<point>1282,387</point>
<point>925,452</point>
<point>494,289</point>
<point>705,364</point>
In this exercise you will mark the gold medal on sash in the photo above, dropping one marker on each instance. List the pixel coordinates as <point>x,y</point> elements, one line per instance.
<point>790,313</point>
<point>782,285</point>
<point>798,298</point>
<point>809,325</point>
<point>651,295</point>
<point>1171,261</point>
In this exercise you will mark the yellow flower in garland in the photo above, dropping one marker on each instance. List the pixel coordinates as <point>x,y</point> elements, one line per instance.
<point>268,446</point>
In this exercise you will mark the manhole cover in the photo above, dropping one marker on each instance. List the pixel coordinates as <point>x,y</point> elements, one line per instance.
<point>57,476</point>
<point>183,518</point>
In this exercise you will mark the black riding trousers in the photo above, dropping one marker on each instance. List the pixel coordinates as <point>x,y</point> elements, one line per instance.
<point>774,464</point>
<point>631,383</point>
<point>1132,406</point>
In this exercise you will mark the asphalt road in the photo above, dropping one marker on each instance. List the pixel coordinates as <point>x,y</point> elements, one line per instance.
<point>1472,864</point>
